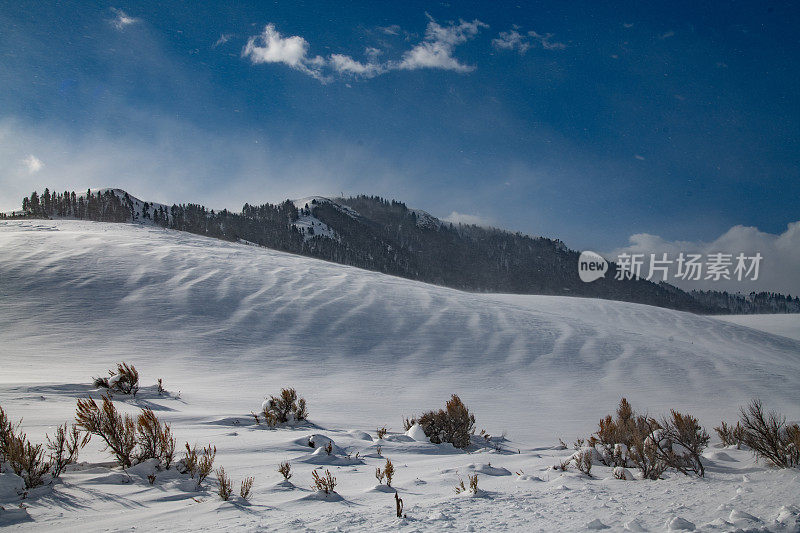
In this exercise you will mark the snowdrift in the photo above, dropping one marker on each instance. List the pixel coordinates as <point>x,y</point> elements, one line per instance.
<point>227,323</point>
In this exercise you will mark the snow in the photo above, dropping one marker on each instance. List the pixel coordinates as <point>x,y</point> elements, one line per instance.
<point>225,324</point>
<point>786,325</point>
<point>417,433</point>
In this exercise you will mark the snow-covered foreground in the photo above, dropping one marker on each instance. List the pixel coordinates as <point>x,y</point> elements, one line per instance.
<point>225,324</point>
<point>786,325</point>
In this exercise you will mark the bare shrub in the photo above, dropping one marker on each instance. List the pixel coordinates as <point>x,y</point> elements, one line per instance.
<point>643,450</point>
<point>6,434</point>
<point>125,379</point>
<point>117,431</point>
<point>628,438</point>
<point>64,447</point>
<point>326,483</point>
<point>100,382</point>
<point>27,460</point>
<point>284,408</point>
<point>160,387</point>
<point>563,465</point>
<point>189,462</point>
<point>166,445</point>
<point>408,423</point>
<point>381,431</point>
<point>224,485</point>
<point>246,487</point>
<point>615,431</point>
<point>154,438</point>
<point>730,435</point>
<point>151,478</point>
<point>329,448</point>
<point>583,460</point>
<point>680,442</point>
<point>768,435</point>
<point>148,428</point>
<point>256,418</point>
<point>473,483</point>
<point>387,472</point>
<point>398,505</point>
<point>199,464</point>
<point>455,424</point>
<point>285,470</point>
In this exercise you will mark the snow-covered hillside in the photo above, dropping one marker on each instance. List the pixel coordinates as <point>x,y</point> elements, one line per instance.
<point>225,324</point>
<point>787,325</point>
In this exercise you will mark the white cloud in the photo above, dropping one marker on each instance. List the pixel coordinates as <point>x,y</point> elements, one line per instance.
<point>122,19</point>
<point>224,38</point>
<point>271,47</point>
<point>545,42</point>
<point>394,29</point>
<point>778,270</point>
<point>347,65</point>
<point>435,51</point>
<point>463,218</point>
<point>33,164</point>
<point>514,40</point>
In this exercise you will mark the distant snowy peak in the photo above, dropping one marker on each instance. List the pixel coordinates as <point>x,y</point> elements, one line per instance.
<point>310,225</point>
<point>311,201</point>
<point>426,220</point>
<point>141,210</point>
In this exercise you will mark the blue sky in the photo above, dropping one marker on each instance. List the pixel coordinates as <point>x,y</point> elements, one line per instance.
<point>580,121</point>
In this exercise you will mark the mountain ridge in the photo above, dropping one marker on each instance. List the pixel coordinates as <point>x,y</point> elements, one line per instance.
<point>387,236</point>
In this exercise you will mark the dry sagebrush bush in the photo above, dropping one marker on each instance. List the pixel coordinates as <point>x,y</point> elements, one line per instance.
<point>387,473</point>
<point>198,464</point>
<point>285,470</point>
<point>680,443</point>
<point>583,460</point>
<point>473,485</point>
<point>64,447</point>
<point>27,460</point>
<point>381,432</point>
<point>454,424</point>
<point>125,379</point>
<point>769,436</point>
<point>155,439</point>
<point>6,433</point>
<point>225,489</point>
<point>731,435</point>
<point>246,487</point>
<point>117,431</point>
<point>285,408</point>
<point>326,483</point>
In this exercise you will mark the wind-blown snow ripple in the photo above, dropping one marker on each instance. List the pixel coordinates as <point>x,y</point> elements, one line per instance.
<point>250,319</point>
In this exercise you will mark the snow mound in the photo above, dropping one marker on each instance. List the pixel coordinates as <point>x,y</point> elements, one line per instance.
<point>417,433</point>
<point>596,524</point>
<point>488,470</point>
<point>680,524</point>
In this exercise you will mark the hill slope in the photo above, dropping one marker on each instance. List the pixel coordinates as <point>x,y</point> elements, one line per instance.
<point>244,320</point>
<point>379,235</point>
